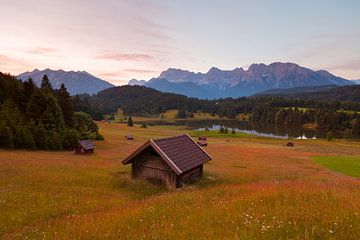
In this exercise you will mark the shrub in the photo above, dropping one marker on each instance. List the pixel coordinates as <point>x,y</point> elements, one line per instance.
<point>329,136</point>
<point>221,130</point>
<point>130,122</point>
<point>99,137</point>
<point>70,140</point>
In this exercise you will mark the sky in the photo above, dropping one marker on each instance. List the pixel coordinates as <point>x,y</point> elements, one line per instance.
<point>118,40</point>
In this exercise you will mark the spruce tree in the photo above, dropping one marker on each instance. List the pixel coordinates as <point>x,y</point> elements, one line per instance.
<point>130,122</point>
<point>7,138</point>
<point>66,105</point>
<point>40,136</point>
<point>29,88</point>
<point>45,84</point>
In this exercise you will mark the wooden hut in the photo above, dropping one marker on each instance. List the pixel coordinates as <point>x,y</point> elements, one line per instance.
<point>173,160</point>
<point>202,143</point>
<point>202,138</point>
<point>84,147</point>
<point>129,137</point>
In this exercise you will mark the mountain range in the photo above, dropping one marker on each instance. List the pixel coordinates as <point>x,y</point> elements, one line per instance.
<point>319,93</point>
<point>356,81</point>
<point>217,83</point>
<point>76,82</point>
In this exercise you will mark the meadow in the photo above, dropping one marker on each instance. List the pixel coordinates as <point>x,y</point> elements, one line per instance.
<point>254,188</point>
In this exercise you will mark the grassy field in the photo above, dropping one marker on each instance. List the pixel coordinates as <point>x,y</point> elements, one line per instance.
<point>346,165</point>
<point>255,188</point>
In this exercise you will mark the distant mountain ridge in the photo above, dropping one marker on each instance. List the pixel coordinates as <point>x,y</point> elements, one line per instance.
<point>217,83</point>
<point>294,90</point>
<point>356,81</point>
<point>318,93</point>
<point>76,82</point>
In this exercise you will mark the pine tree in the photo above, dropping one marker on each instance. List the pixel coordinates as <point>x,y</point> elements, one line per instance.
<point>29,88</point>
<point>24,138</point>
<point>7,138</point>
<point>130,122</point>
<point>181,113</point>
<point>66,105</point>
<point>28,140</point>
<point>54,141</point>
<point>40,136</point>
<point>45,84</point>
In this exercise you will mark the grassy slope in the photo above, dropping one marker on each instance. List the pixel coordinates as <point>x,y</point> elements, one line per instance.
<point>346,165</point>
<point>254,188</point>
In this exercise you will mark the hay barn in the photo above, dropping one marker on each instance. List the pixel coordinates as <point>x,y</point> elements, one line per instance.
<point>84,147</point>
<point>174,160</point>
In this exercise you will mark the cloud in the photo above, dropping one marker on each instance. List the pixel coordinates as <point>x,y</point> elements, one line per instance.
<point>125,57</point>
<point>134,70</point>
<point>13,65</point>
<point>10,61</point>
<point>353,65</point>
<point>41,50</point>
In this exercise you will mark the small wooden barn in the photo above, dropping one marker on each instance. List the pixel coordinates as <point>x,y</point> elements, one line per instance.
<point>173,160</point>
<point>84,147</point>
<point>202,138</point>
<point>129,137</point>
<point>202,143</point>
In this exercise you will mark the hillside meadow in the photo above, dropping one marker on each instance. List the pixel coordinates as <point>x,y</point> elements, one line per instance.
<point>255,188</point>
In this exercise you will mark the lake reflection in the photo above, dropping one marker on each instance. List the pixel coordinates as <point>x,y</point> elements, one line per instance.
<point>250,128</point>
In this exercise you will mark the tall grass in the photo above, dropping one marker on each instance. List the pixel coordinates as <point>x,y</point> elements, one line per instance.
<point>253,189</point>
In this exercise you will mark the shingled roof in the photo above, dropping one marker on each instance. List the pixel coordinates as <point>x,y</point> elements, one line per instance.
<point>181,153</point>
<point>87,144</point>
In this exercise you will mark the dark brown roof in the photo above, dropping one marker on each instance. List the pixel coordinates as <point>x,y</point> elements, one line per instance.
<point>87,144</point>
<point>181,153</point>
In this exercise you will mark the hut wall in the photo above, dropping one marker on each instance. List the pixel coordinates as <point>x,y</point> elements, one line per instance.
<point>149,165</point>
<point>190,175</point>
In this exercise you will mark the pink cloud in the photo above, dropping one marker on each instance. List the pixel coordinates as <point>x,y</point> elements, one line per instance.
<point>125,56</point>
<point>354,65</point>
<point>41,50</point>
<point>134,70</point>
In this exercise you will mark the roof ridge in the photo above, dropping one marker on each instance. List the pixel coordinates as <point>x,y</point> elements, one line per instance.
<point>178,136</point>
<point>198,146</point>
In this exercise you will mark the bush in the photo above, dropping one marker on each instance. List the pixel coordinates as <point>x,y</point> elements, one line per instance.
<point>99,137</point>
<point>329,136</point>
<point>130,122</point>
<point>70,140</point>
<point>143,125</point>
<point>24,139</point>
<point>221,130</point>
<point>6,137</point>
<point>54,141</point>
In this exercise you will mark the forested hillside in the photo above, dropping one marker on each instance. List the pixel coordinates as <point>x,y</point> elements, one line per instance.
<point>340,117</point>
<point>40,118</point>
<point>319,93</point>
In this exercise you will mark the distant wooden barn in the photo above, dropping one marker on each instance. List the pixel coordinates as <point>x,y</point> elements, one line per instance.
<point>202,138</point>
<point>173,160</point>
<point>129,137</point>
<point>202,143</point>
<point>84,147</point>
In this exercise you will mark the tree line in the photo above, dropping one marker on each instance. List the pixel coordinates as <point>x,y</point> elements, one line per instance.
<point>40,117</point>
<point>275,110</point>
